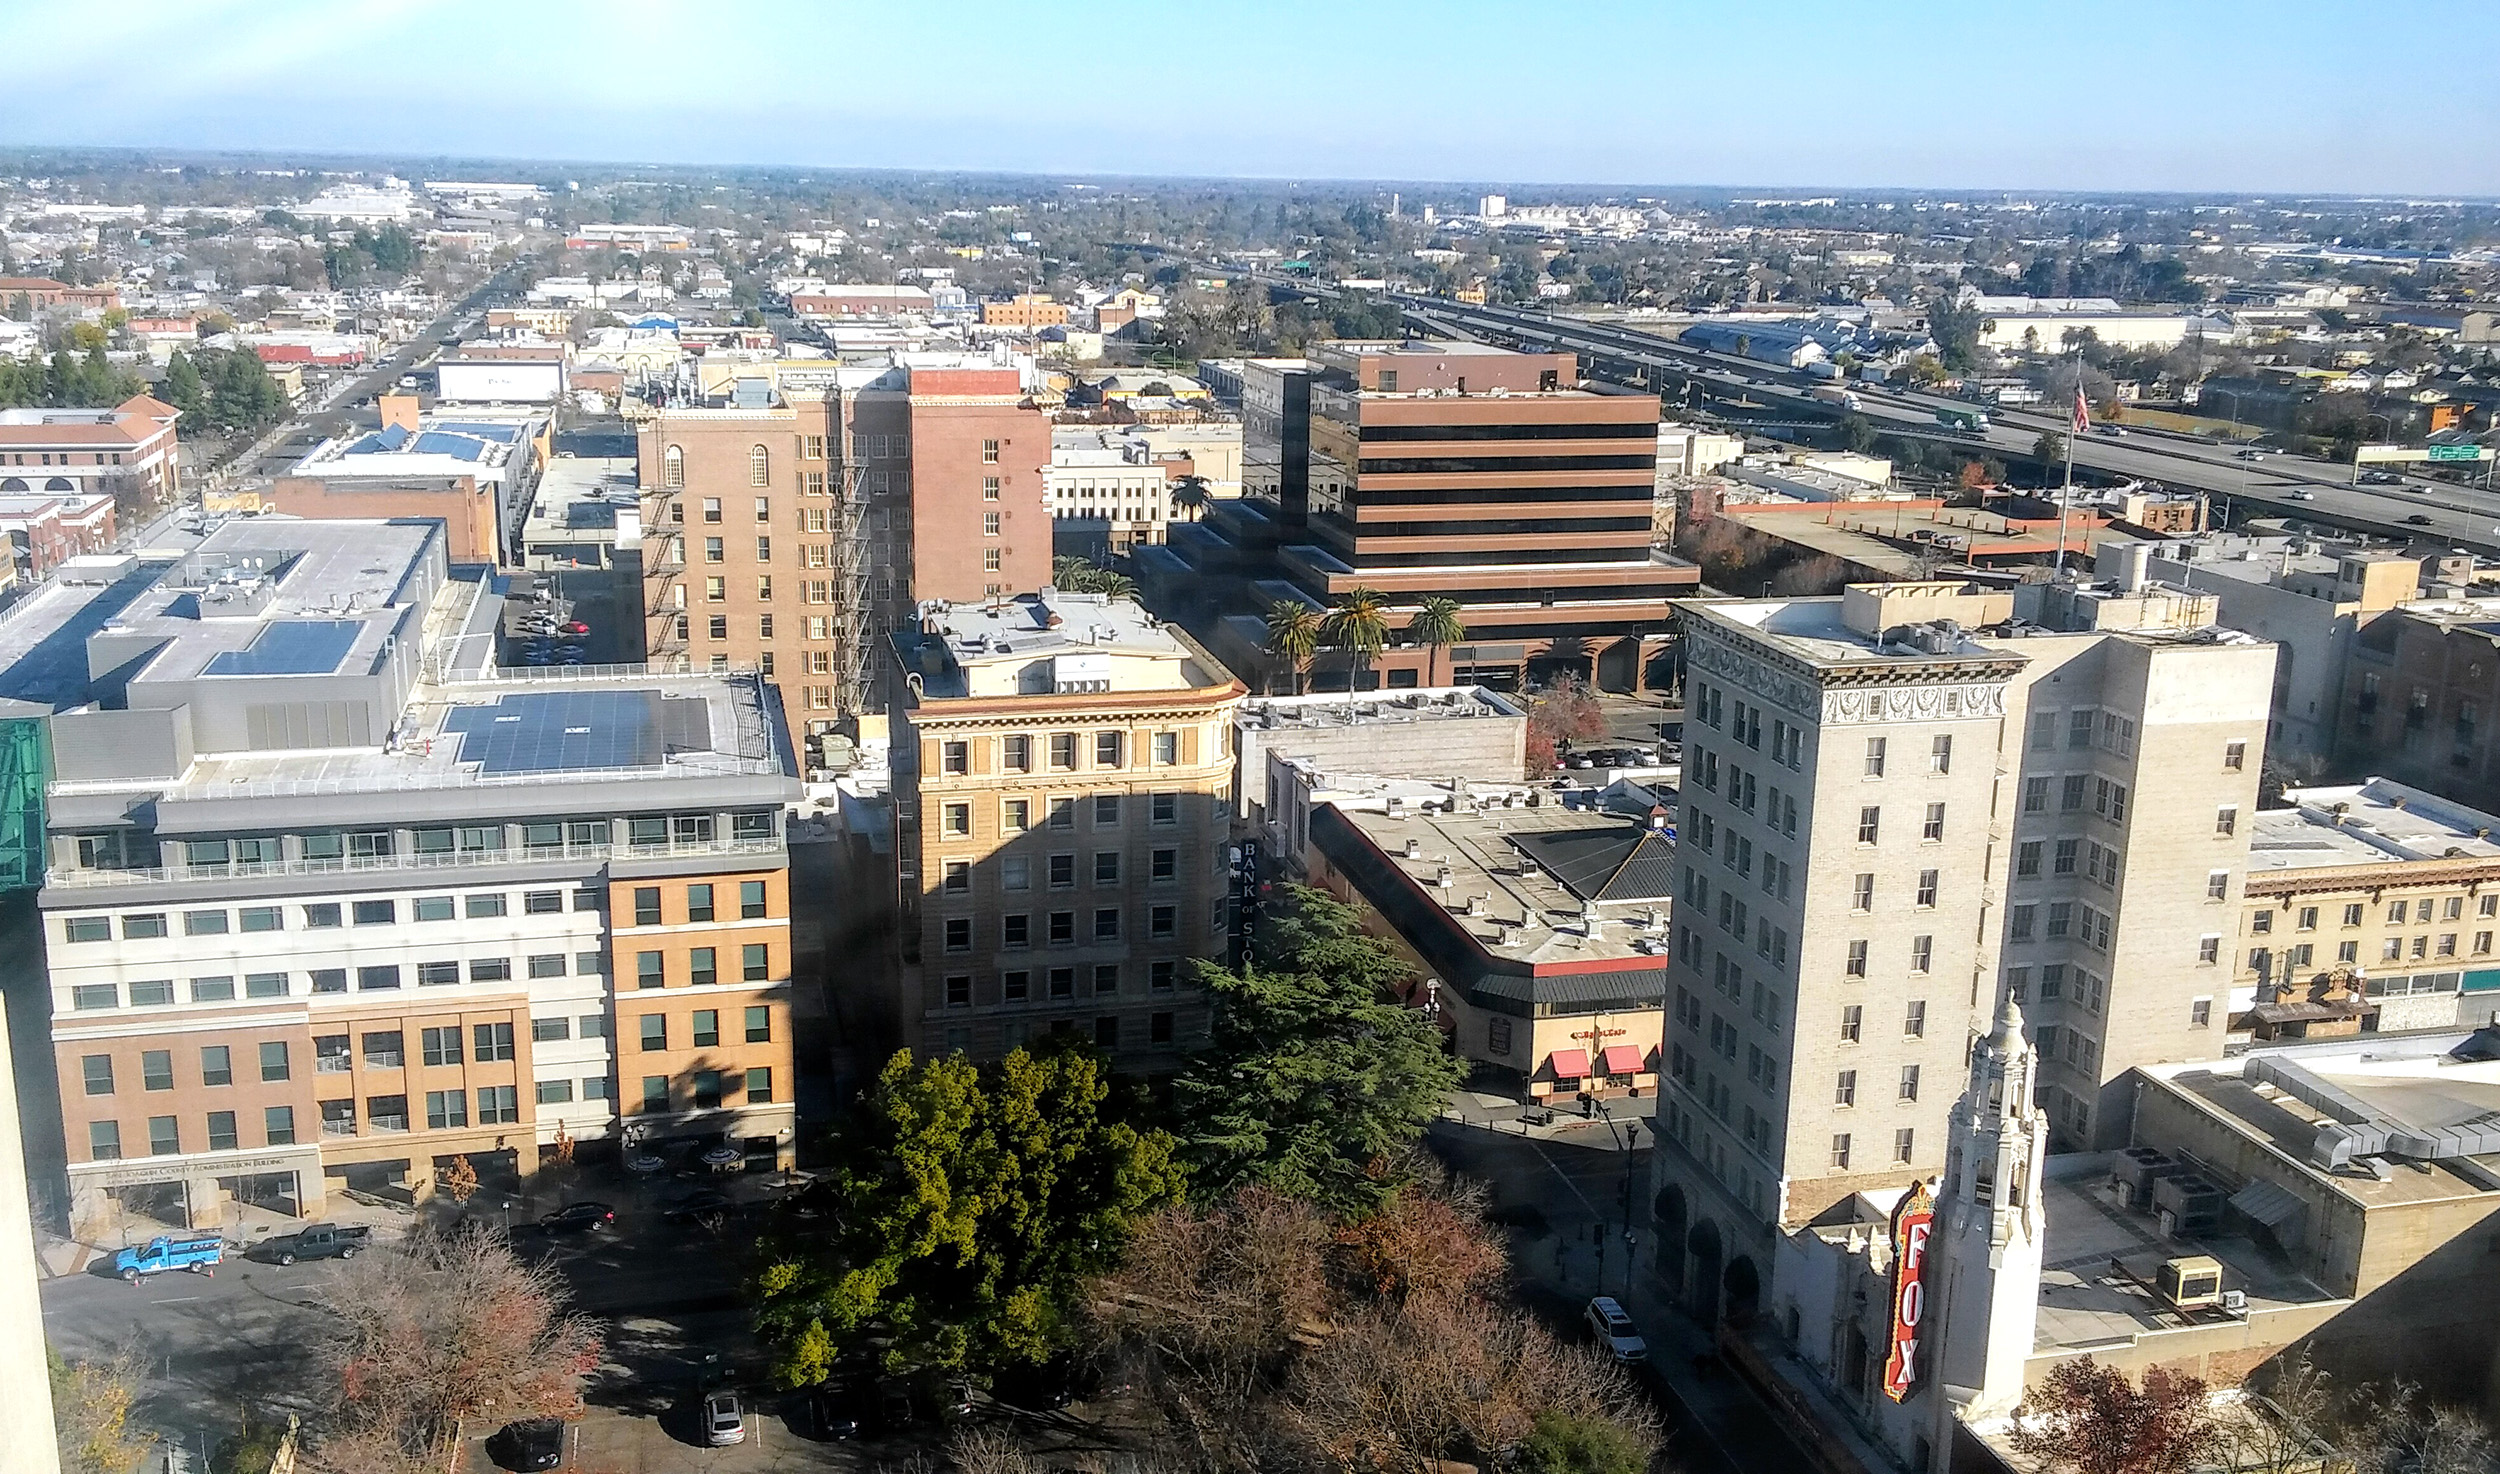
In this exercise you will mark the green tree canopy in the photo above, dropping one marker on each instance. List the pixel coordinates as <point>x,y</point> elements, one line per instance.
<point>1315,1079</point>
<point>969,1204</point>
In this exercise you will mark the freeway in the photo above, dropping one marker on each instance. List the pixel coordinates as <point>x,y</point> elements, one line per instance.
<point>2313,491</point>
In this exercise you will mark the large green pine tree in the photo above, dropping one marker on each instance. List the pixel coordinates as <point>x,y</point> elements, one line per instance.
<point>1316,1080</point>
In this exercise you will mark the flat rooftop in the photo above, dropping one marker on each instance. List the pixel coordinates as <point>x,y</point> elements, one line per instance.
<point>2374,822</point>
<point>580,495</point>
<point>1403,708</point>
<point>1016,646</point>
<point>43,636</point>
<point>1523,870</point>
<point>1812,630</point>
<point>2099,1259</point>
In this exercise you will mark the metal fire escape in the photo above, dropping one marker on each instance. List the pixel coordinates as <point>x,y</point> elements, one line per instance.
<point>663,579</point>
<point>856,627</point>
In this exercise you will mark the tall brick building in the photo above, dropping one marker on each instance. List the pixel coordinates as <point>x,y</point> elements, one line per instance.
<point>791,527</point>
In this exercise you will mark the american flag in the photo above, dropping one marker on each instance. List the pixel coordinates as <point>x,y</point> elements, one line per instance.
<point>2083,411</point>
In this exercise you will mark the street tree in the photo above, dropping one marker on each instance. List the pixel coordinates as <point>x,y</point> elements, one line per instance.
<point>1438,624</point>
<point>969,1205</point>
<point>91,1403</point>
<point>1359,625</point>
<point>460,1179</point>
<point>2087,1418</point>
<point>1315,1079</point>
<point>1293,630</point>
<point>429,1342</point>
<point>1567,712</point>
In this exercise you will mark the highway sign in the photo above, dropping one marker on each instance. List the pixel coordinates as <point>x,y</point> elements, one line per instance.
<point>2457,453</point>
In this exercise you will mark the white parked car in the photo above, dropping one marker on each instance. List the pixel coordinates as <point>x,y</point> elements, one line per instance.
<point>1614,1330</point>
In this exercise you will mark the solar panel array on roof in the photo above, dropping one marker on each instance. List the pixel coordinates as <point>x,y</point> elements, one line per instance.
<point>502,434</point>
<point>433,443</point>
<point>290,647</point>
<point>571,731</point>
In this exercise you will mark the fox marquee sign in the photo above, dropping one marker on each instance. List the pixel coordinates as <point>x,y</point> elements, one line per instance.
<point>1912,1219</point>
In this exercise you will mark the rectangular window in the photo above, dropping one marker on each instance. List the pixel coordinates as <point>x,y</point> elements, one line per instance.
<point>1875,757</point>
<point>1107,924</point>
<point>152,994</point>
<point>1163,922</point>
<point>1922,953</point>
<point>706,1028</point>
<point>1106,867</point>
<point>1107,747</point>
<point>437,974</point>
<point>88,929</point>
<point>1914,1019</point>
<point>212,990</point>
<point>377,979</point>
<point>1167,749</point>
<point>204,923</point>
<point>375,913</point>
<point>164,1136</point>
<point>431,908</point>
<point>702,966</point>
<point>759,1086</point>
<point>1904,1144</point>
<point>1856,965</point>
<point>2218,887</point>
<point>1927,887</point>
<point>261,918</point>
<point>759,1024</point>
<point>755,962</point>
<point>387,1112</point>
<point>1940,755</point>
<point>277,1123</point>
<point>542,1030</point>
<point>1862,891</point>
<point>383,1051</point>
<point>441,1045</point>
<point>445,1109</point>
<point>1909,1082</point>
<point>1840,1151</point>
<point>555,1092</point>
<point>104,1140</point>
<point>655,1092</point>
<point>1845,1088</point>
<point>1870,824</point>
<point>273,1060</point>
<point>498,1105</point>
<point>654,1032</point>
<point>2227,819</point>
<point>751,905</point>
<point>491,1042</point>
<point>486,905</point>
<point>1933,830</point>
<point>1852,1019</point>
<point>216,1065</point>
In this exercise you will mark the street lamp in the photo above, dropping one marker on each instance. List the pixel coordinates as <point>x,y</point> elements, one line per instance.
<point>1627,1137</point>
<point>2233,396</point>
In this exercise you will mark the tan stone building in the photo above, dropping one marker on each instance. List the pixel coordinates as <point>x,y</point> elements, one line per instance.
<point>2368,908</point>
<point>1063,777</point>
<point>2060,816</point>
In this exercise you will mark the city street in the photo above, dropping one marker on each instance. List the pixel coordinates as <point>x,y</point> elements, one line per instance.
<point>1551,1193</point>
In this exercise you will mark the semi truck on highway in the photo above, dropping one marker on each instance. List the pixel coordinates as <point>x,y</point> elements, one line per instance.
<point>1963,421</point>
<point>1833,394</point>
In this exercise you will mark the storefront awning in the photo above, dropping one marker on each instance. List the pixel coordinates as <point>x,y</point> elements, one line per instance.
<point>1570,1064</point>
<point>1623,1059</point>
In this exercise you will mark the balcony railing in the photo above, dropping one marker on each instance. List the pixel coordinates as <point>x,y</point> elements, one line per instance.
<point>459,859</point>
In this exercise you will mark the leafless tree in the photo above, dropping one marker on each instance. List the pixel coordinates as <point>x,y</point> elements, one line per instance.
<point>450,1331</point>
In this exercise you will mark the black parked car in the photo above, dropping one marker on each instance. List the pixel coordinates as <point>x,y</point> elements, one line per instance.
<point>580,1218</point>
<point>704,1207</point>
<point>531,1445</point>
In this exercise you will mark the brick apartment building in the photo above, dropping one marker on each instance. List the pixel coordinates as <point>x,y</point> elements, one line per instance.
<point>789,533</point>
<point>40,292</point>
<point>40,532</point>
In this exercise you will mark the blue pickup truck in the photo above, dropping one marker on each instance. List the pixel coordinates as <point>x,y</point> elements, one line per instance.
<point>197,1253</point>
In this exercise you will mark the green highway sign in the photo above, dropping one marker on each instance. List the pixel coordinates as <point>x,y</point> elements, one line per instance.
<point>2456,452</point>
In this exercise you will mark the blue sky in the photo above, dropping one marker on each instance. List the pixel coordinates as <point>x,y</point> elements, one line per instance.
<point>2387,96</point>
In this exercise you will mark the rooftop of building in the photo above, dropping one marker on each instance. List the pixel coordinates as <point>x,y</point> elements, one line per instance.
<point>1902,538</point>
<point>127,423</point>
<point>1381,708</point>
<point>581,495</point>
<point>1050,643</point>
<point>2380,1119</point>
<point>2374,822</point>
<point>1527,878</point>
<point>470,442</point>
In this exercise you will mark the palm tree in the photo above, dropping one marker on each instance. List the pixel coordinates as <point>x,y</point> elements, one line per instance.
<point>1189,494</point>
<point>1293,635</point>
<point>1436,626</point>
<point>1360,626</point>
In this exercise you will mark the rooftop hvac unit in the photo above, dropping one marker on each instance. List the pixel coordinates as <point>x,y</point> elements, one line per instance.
<point>2135,1170</point>
<point>2192,1202</point>
<point>2190,1282</point>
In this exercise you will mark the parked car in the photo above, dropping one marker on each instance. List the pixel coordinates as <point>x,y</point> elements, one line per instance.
<point>530,1445</point>
<point>724,1419</point>
<point>582,1217</point>
<point>1614,1330</point>
<point>942,1399</point>
<point>704,1207</point>
<point>575,627</point>
<point>321,1241</point>
<point>839,1409</point>
<point>192,1253</point>
<point>1041,1387</point>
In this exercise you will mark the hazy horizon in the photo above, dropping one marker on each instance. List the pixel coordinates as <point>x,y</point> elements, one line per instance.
<point>2231,97</point>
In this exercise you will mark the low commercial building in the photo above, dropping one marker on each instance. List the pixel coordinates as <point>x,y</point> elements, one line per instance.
<point>333,902</point>
<point>468,472</point>
<point>1025,310</point>
<point>502,373</point>
<point>2370,907</point>
<point>1108,491</point>
<point>43,532</point>
<point>38,293</point>
<point>1436,733</point>
<point>860,299</point>
<point>1539,932</point>
<point>128,452</point>
<point>1062,788</point>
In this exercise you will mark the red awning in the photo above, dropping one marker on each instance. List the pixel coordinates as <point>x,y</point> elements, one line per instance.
<point>1623,1059</point>
<point>1570,1064</point>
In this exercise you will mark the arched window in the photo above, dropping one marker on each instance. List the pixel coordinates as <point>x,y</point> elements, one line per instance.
<point>673,468</point>
<point>759,466</point>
